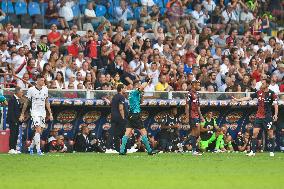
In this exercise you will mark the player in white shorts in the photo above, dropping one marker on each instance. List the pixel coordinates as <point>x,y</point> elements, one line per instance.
<point>38,99</point>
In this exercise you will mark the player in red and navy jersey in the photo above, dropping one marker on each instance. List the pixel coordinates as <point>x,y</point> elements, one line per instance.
<point>193,115</point>
<point>264,119</point>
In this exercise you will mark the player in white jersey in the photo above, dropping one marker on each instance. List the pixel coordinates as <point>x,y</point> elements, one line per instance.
<point>38,99</point>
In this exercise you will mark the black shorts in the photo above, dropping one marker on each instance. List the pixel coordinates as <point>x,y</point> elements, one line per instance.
<point>194,122</point>
<point>135,121</point>
<point>264,123</point>
<point>118,126</point>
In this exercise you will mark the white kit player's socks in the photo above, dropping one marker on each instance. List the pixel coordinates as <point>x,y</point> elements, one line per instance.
<point>37,141</point>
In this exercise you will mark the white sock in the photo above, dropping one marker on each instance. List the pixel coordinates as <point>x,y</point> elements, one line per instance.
<point>37,141</point>
<point>32,143</point>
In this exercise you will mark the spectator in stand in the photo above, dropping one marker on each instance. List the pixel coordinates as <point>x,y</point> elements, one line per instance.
<point>54,36</point>
<point>59,80</point>
<point>229,18</point>
<point>65,11</point>
<point>42,45</point>
<point>279,72</point>
<point>74,48</point>
<point>90,15</point>
<point>162,85</point>
<point>52,15</point>
<point>121,14</point>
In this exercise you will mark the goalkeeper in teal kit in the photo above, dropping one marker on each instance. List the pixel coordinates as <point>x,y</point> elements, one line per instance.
<point>134,119</point>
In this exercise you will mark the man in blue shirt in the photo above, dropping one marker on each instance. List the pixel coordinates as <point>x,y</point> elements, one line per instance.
<point>134,119</point>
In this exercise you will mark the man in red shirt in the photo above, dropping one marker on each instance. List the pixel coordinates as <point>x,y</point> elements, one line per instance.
<point>54,36</point>
<point>73,49</point>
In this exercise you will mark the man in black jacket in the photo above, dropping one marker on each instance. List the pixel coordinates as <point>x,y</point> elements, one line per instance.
<point>13,115</point>
<point>84,143</point>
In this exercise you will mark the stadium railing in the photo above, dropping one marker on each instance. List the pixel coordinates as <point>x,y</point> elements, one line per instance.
<point>163,95</point>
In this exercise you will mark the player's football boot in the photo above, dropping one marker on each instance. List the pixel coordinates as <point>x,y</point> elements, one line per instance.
<point>271,154</point>
<point>122,153</point>
<point>40,153</point>
<point>195,153</point>
<point>153,152</point>
<point>251,154</point>
<point>31,150</point>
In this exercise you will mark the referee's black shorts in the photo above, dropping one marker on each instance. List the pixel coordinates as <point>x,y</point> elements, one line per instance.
<point>135,121</point>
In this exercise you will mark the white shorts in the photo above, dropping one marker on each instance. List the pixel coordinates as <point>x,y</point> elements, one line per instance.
<point>38,121</point>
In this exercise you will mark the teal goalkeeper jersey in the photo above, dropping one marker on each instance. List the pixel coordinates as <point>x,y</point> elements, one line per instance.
<point>134,101</point>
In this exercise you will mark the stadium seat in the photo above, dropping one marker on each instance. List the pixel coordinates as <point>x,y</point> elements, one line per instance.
<point>43,7</point>
<point>110,11</point>
<point>188,11</point>
<point>82,2</point>
<point>33,9</point>
<point>76,10</point>
<point>116,3</point>
<point>100,10</point>
<point>7,7</point>
<point>165,2</point>
<point>137,12</point>
<point>163,11</point>
<point>20,8</point>
<point>159,3</point>
<point>133,1</point>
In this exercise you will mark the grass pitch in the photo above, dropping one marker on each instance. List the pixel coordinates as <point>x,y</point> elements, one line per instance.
<point>138,170</point>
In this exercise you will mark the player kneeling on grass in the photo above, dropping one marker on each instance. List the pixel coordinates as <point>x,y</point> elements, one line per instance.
<point>224,140</point>
<point>208,130</point>
<point>134,118</point>
<point>264,120</point>
<point>58,145</point>
<point>38,99</point>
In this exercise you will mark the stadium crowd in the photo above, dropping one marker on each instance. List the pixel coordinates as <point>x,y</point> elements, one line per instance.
<point>222,45</point>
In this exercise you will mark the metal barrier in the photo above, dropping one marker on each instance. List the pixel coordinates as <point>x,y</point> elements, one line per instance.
<point>164,95</point>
